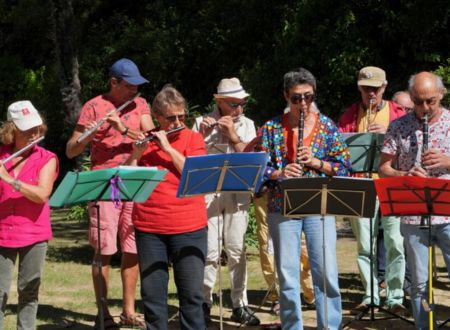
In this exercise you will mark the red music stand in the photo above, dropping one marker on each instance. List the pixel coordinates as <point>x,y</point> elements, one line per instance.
<point>416,196</point>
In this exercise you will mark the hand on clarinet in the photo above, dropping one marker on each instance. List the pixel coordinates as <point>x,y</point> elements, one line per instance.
<point>291,170</point>
<point>433,158</point>
<point>305,156</point>
<point>417,171</point>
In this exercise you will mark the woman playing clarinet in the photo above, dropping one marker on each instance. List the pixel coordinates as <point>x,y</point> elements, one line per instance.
<point>171,229</point>
<point>27,174</point>
<point>321,152</point>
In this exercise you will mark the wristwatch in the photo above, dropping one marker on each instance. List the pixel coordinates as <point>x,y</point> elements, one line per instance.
<point>125,132</point>
<point>16,184</point>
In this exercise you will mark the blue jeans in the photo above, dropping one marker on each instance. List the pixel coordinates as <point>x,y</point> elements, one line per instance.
<point>187,252</point>
<point>31,265</point>
<point>286,235</point>
<point>416,243</point>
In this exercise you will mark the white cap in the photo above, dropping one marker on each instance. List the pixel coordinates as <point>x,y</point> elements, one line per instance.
<point>24,115</point>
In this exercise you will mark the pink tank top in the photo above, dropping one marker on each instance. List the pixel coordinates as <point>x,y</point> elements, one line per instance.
<point>23,222</point>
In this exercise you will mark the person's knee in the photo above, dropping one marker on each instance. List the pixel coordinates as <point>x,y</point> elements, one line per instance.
<point>30,291</point>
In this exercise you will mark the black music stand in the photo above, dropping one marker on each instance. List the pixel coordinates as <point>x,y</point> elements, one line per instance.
<point>124,183</point>
<point>328,196</point>
<point>416,196</point>
<point>236,173</point>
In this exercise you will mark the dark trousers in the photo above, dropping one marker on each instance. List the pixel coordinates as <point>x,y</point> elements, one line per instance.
<point>187,253</point>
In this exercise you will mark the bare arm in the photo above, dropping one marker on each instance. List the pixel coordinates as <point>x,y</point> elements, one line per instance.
<point>73,148</point>
<point>36,193</point>
<point>386,169</point>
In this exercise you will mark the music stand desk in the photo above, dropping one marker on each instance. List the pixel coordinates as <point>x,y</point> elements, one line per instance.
<point>235,172</point>
<point>416,196</point>
<point>124,183</point>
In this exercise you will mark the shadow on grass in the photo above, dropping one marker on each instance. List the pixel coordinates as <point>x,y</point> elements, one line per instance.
<point>58,318</point>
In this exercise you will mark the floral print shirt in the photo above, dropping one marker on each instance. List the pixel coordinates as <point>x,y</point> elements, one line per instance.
<point>404,139</point>
<point>326,144</point>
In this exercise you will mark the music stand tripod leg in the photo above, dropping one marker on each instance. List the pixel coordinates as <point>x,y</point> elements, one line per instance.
<point>219,265</point>
<point>98,264</point>
<point>324,272</point>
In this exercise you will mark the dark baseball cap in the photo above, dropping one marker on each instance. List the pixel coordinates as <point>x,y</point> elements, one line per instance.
<point>127,70</point>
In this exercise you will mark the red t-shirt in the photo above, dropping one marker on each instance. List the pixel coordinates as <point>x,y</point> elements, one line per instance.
<point>163,212</point>
<point>109,148</point>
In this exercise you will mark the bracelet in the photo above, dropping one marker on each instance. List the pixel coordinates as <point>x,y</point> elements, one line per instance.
<point>125,132</point>
<point>321,165</point>
<point>16,184</point>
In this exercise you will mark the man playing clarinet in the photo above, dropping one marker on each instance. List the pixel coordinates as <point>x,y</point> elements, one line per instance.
<point>404,154</point>
<point>110,146</point>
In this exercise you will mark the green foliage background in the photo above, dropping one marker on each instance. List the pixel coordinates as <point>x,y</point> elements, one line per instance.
<point>193,44</point>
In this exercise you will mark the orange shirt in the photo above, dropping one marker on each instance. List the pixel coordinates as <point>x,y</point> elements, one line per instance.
<point>291,138</point>
<point>163,212</point>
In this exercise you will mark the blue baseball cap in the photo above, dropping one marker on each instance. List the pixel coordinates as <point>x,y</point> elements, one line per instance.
<point>126,69</point>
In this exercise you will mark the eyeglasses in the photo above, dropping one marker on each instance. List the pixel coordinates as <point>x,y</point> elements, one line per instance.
<point>409,109</point>
<point>430,101</point>
<point>298,98</point>
<point>174,118</point>
<point>370,89</point>
<point>235,105</point>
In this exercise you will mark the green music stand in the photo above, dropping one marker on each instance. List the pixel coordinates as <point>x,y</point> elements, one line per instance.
<point>123,183</point>
<point>364,150</point>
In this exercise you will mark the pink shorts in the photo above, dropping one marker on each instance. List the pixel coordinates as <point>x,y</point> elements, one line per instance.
<point>113,221</point>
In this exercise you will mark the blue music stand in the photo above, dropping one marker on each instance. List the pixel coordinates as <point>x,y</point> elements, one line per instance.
<point>236,173</point>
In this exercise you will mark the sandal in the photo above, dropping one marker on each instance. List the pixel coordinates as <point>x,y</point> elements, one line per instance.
<point>133,321</point>
<point>108,323</point>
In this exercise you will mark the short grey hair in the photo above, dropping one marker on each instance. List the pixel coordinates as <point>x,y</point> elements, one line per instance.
<point>299,76</point>
<point>168,96</point>
<point>439,83</point>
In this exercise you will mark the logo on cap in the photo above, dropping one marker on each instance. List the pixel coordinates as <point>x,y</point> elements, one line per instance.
<point>25,111</point>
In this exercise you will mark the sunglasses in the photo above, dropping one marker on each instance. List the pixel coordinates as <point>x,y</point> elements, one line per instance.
<point>235,105</point>
<point>298,98</point>
<point>174,118</point>
<point>430,101</point>
<point>370,89</point>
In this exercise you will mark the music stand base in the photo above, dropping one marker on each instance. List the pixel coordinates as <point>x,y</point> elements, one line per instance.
<point>443,323</point>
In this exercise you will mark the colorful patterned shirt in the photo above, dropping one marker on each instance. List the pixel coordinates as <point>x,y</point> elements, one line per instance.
<point>404,139</point>
<point>326,144</point>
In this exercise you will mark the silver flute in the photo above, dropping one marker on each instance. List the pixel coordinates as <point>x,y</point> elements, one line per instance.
<point>152,137</point>
<point>21,151</point>
<point>101,121</point>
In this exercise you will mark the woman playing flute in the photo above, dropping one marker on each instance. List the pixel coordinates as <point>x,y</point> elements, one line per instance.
<point>321,153</point>
<point>170,229</point>
<point>26,182</point>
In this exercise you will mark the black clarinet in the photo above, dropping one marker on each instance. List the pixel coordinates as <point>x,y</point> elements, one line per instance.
<point>301,128</point>
<point>424,220</point>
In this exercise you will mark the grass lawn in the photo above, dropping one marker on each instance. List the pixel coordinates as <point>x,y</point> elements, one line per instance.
<point>67,298</point>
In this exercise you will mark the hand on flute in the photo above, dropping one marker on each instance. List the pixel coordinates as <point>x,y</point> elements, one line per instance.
<point>207,125</point>
<point>114,120</point>
<point>4,175</point>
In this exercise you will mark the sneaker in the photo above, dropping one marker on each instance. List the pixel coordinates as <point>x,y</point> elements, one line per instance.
<point>358,309</point>
<point>207,313</point>
<point>244,315</point>
<point>398,309</point>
